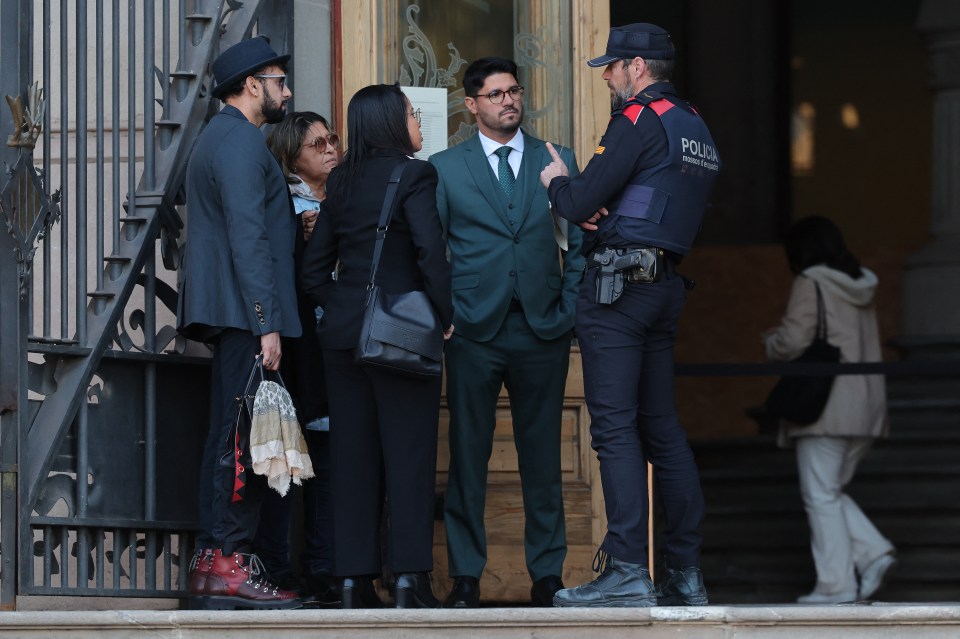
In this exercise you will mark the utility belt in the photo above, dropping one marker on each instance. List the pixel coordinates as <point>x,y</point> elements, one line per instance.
<point>617,266</point>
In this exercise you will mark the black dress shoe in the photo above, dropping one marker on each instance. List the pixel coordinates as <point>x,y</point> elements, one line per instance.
<point>682,587</point>
<point>359,592</point>
<point>413,590</point>
<point>543,590</point>
<point>324,589</point>
<point>621,584</point>
<point>465,593</point>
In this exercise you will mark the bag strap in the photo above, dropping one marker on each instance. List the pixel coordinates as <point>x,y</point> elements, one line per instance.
<point>389,203</point>
<point>258,366</point>
<point>821,315</point>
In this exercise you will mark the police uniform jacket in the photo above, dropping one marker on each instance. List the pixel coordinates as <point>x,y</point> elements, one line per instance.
<point>238,269</point>
<point>413,257</point>
<point>653,170</point>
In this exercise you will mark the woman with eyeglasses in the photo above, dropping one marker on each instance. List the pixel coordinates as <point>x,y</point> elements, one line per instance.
<point>307,151</point>
<point>383,425</point>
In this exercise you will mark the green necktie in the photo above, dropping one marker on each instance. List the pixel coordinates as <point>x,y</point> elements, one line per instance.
<point>504,172</point>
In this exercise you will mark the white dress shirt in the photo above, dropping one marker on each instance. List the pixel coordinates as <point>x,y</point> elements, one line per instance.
<point>516,155</point>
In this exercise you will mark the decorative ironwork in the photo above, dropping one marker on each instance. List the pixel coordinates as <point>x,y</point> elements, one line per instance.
<point>167,339</point>
<point>421,61</point>
<point>113,380</point>
<point>27,122</point>
<point>28,214</point>
<point>530,50</point>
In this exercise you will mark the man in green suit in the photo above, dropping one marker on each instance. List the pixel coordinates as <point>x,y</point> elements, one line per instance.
<point>514,295</point>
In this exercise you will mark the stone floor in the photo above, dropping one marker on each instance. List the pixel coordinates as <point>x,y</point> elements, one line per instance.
<point>885,621</point>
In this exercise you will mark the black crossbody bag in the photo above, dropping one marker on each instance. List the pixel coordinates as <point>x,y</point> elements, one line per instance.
<point>801,399</point>
<point>401,331</point>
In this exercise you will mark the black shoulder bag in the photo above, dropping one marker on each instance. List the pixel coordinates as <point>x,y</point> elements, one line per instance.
<point>401,331</point>
<point>802,398</point>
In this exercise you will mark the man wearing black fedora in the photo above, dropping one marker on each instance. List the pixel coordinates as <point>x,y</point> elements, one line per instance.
<point>237,294</point>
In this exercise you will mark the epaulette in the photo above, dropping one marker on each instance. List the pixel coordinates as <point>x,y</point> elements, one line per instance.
<point>634,106</point>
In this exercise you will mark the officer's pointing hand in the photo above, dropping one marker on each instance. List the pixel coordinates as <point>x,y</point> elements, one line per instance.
<point>555,168</point>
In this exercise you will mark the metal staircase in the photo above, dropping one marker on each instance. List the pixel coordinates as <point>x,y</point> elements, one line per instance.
<point>102,437</point>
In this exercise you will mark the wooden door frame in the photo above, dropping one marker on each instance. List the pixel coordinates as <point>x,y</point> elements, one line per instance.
<point>356,51</point>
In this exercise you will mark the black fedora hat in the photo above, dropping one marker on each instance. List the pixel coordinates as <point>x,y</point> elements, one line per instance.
<point>241,60</point>
<point>640,40</point>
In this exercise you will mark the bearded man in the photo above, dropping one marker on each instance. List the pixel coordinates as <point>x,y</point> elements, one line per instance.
<point>238,295</point>
<point>514,293</point>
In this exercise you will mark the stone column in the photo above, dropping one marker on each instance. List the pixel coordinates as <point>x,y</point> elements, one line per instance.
<point>931,281</point>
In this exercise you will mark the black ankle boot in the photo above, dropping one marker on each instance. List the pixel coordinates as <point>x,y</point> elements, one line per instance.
<point>359,592</point>
<point>413,590</point>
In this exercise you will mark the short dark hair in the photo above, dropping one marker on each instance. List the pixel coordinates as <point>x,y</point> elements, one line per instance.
<point>479,70</point>
<point>660,70</point>
<point>286,139</point>
<point>376,119</point>
<point>815,240</point>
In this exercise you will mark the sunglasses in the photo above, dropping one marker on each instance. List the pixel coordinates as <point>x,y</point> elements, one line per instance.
<point>281,78</point>
<point>319,143</point>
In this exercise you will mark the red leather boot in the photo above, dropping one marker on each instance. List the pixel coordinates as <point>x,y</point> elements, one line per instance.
<point>240,581</point>
<point>200,567</point>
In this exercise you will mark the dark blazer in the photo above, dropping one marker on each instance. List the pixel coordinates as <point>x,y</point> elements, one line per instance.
<point>499,246</point>
<point>238,269</point>
<point>414,254</point>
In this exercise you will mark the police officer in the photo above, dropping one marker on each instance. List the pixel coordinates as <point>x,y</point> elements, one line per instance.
<point>641,197</point>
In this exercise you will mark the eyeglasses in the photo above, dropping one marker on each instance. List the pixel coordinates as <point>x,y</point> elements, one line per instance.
<point>496,96</point>
<point>319,143</point>
<point>280,77</point>
<point>417,115</point>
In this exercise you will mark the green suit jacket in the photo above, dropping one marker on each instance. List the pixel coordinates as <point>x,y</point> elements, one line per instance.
<point>498,246</point>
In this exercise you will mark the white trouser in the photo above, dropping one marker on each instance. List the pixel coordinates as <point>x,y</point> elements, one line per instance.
<point>842,539</point>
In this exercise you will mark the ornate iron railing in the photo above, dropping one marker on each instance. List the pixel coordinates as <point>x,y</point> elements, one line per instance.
<point>103,420</point>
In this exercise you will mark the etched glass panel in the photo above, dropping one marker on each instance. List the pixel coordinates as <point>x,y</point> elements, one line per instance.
<point>429,43</point>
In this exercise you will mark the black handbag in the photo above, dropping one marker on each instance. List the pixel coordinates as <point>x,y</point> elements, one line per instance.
<point>238,442</point>
<point>801,399</point>
<point>401,331</point>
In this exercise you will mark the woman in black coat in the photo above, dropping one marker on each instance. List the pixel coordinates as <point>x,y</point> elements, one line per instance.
<point>383,425</point>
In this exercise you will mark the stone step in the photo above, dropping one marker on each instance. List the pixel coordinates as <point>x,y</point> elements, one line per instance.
<point>709,622</point>
<point>922,574</point>
<point>789,530</point>
<point>885,493</point>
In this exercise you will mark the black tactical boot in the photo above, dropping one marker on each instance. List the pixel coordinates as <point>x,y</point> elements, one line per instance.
<point>621,584</point>
<point>682,587</point>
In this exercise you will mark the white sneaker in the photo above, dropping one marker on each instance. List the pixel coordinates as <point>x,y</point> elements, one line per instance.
<point>825,598</point>
<point>873,575</point>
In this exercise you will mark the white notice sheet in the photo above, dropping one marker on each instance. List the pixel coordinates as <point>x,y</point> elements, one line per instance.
<point>432,103</point>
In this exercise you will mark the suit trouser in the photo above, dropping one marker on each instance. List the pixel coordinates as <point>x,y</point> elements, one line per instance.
<point>383,443</point>
<point>534,372</point>
<point>303,370</point>
<point>842,538</point>
<point>627,350</point>
<point>224,524</point>
<point>273,536</point>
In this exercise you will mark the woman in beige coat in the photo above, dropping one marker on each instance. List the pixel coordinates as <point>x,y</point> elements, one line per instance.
<point>844,542</point>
